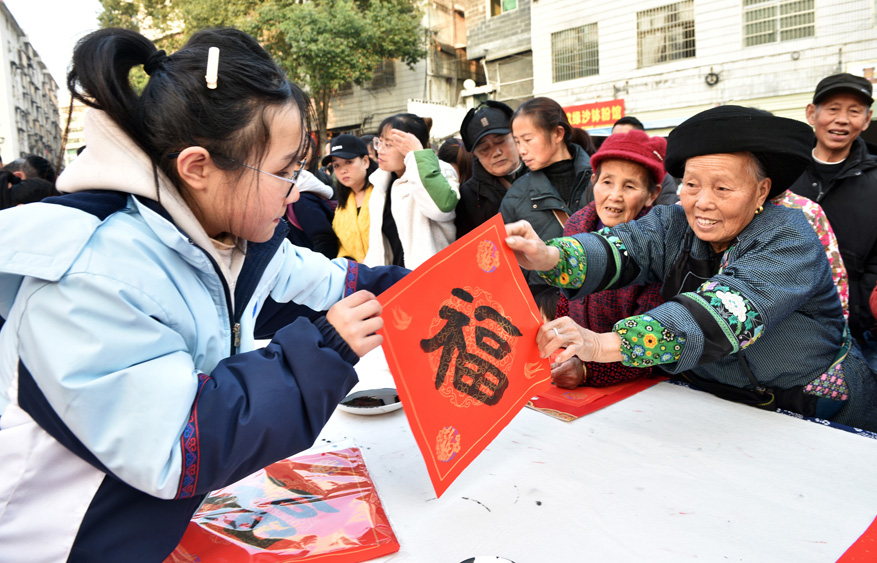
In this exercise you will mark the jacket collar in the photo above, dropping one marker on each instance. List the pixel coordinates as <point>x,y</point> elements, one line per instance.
<point>541,187</point>
<point>112,161</point>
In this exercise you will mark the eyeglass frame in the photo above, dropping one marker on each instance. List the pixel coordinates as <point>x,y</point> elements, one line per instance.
<point>291,181</point>
<point>377,142</point>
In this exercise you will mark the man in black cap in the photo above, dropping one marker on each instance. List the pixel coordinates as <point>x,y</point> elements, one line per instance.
<point>486,134</point>
<point>842,178</point>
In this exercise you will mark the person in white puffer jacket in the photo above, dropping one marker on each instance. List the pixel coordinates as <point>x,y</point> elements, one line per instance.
<point>411,208</point>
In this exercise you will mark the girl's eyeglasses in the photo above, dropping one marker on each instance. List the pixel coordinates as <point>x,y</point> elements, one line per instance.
<point>291,181</point>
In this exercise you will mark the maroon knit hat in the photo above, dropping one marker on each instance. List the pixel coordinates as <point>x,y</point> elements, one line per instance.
<point>635,146</point>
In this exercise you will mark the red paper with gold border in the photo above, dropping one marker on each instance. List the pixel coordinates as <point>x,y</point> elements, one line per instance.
<point>570,404</point>
<point>460,339</point>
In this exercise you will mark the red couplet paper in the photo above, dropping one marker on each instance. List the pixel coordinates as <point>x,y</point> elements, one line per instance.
<point>865,548</point>
<point>570,404</point>
<point>460,340</point>
<point>320,507</point>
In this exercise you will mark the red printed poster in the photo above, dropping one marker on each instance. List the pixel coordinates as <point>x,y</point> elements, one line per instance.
<point>460,339</point>
<point>317,506</point>
<point>570,404</point>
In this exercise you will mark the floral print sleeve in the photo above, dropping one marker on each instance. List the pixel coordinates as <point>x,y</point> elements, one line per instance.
<point>818,220</point>
<point>571,268</point>
<point>645,342</point>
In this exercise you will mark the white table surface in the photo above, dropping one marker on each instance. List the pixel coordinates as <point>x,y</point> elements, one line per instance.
<point>670,474</point>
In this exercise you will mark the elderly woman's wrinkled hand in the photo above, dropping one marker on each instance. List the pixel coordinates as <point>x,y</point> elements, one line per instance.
<point>569,374</point>
<point>531,251</point>
<point>565,335</point>
<point>356,318</point>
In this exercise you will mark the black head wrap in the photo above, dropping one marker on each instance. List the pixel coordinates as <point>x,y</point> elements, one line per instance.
<point>782,145</point>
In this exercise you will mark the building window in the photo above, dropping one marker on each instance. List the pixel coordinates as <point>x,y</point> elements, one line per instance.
<point>499,7</point>
<point>665,34</point>
<point>385,74</point>
<point>575,53</point>
<point>769,21</point>
<point>345,89</point>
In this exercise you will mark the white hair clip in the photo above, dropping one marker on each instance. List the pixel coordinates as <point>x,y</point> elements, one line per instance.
<point>212,67</point>
<point>656,153</point>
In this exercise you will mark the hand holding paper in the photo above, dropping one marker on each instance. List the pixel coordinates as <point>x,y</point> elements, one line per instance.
<point>357,318</point>
<point>530,251</point>
<point>589,346</point>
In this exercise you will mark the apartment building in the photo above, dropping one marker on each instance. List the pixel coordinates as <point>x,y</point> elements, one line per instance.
<point>431,88</point>
<point>665,61</point>
<point>29,107</point>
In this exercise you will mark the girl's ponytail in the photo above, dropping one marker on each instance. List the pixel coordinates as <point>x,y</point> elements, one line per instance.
<point>102,62</point>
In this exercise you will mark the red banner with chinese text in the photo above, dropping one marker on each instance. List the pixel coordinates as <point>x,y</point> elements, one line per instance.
<point>460,339</point>
<point>597,114</point>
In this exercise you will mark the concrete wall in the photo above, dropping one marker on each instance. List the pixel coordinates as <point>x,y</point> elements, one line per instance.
<point>779,77</point>
<point>494,37</point>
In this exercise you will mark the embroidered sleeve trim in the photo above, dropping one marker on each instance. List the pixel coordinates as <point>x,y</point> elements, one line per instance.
<point>618,250</point>
<point>645,342</point>
<point>737,317</point>
<point>572,266</point>
<point>352,275</point>
<point>189,443</point>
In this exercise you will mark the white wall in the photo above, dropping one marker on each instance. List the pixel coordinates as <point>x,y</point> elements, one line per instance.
<point>785,72</point>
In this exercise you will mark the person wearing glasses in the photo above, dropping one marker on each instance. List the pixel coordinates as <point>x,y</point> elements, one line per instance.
<point>411,208</point>
<point>130,385</point>
<point>486,133</point>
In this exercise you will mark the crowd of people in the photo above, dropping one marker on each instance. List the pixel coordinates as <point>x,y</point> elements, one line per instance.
<point>739,254</point>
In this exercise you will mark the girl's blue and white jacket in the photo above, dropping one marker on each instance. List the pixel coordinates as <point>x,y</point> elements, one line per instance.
<point>129,383</point>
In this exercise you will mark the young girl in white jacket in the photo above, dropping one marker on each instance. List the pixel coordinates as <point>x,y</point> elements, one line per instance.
<point>129,383</point>
<point>411,209</point>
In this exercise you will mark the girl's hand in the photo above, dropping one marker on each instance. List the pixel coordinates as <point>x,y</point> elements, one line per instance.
<point>532,253</point>
<point>357,318</point>
<point>589,346</point>
<point>569,374</point>
<point>405,142</point>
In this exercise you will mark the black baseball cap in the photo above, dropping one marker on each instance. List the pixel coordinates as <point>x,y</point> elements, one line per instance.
<point>345,146</point>
<point>846,82</point>
<point>489,117</point>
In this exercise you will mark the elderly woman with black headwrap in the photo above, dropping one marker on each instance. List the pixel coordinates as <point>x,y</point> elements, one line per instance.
<point>752,314</point>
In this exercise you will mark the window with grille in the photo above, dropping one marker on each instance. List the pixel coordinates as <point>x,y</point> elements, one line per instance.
<point>385,75</point>
<point>575,53</point>
<point>665,34</point>
<point>499,7</point>
<point>769,21</point>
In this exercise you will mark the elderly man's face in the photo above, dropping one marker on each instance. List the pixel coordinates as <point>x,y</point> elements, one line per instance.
<point>720,194</point>
<point>837,121</point>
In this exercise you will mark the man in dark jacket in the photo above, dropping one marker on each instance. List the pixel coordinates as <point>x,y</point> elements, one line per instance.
<point>486,134</point>
<point>842,178</point>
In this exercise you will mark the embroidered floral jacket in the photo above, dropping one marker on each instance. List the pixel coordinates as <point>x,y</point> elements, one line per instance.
<point>772,306</point>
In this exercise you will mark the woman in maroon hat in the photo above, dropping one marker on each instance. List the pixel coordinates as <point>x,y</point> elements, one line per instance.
<point>628,168</point>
